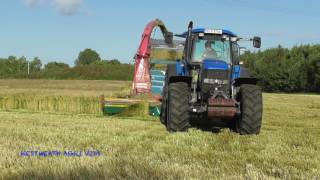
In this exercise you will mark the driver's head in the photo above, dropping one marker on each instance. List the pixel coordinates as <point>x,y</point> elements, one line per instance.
<point>208,44</point>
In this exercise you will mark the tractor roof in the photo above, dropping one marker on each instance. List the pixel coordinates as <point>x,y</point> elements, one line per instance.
<point>204,30</point>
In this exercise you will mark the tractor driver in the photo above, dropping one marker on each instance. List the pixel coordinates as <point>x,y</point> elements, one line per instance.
<point>209,52</point>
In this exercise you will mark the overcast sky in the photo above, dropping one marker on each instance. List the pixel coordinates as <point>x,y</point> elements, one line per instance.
<point>57,30</point>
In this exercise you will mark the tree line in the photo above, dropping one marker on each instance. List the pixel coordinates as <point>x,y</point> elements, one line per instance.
<point>88,66</point>
<point>286,70</point>
<point>278,69</point>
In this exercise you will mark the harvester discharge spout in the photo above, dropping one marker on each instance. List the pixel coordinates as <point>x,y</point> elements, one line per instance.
<point>142,77</point>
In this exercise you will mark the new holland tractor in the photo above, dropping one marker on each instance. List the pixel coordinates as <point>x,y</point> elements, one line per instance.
<point>209,86</point>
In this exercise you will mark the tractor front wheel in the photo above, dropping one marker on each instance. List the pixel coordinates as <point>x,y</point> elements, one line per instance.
<point>249,122</point>
<point>163,113</point>
<point>178,114</point>
<point>171,71</point>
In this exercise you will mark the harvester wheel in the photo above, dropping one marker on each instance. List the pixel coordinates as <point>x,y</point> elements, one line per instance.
<point>178,107</point>
<point>250,98</point>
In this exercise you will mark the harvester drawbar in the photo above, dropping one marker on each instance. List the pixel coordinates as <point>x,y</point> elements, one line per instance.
<point>207,86</point>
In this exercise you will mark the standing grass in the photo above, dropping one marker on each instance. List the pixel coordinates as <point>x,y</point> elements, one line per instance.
<point>65,104</point>
<point>92,88</point>
<point>140,148</point>
<point>67,96</point>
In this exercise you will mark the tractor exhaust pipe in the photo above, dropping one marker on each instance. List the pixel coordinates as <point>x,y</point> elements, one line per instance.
<point>188,42</point>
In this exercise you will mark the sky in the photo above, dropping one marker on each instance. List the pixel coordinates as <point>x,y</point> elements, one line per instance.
<point>57,30</point>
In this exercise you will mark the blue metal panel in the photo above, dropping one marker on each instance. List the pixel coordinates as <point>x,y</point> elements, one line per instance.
<point>180,68</point>
<point>158,78</point>
<point>236,72</point>
<point>215,65</point>
<point>157,83</point>
<point>157,73</point>
<point>157,90</point>
<point>202,30</point>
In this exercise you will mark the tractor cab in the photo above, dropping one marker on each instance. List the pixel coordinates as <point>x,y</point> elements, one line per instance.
<point>209,45</point>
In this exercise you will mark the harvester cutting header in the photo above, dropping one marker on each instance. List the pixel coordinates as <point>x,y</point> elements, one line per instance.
<point>206,85</point>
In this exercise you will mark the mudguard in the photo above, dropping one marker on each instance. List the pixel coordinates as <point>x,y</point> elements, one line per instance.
<point>240,81</point>
<point>177,73</point>
<point>241,75</point>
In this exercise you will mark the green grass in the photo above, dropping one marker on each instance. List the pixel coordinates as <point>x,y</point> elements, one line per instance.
<point>140,148</point>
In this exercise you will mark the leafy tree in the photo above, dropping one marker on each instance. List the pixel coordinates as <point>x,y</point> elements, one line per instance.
<point>35,65</point>
<point>12,58</point>
<point>56,70</point>
<point>286,70</point>
<point>114,62</point>
<point>56,66</point>
<point>86,57</point>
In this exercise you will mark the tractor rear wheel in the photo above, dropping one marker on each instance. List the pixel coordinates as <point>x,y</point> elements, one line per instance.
<point>178,114</point>
<point>250,120</point>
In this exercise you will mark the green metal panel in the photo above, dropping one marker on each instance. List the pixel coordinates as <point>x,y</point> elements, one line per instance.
<point>154,110</point>
<point>114,109</point>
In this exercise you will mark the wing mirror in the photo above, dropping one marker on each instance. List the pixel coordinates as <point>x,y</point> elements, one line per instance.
<point>256,42</point>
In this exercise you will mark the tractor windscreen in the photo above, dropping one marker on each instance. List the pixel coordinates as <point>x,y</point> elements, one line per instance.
<point>211,49</point>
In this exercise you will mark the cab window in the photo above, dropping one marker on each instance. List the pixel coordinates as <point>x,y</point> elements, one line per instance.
<point>219,50</point>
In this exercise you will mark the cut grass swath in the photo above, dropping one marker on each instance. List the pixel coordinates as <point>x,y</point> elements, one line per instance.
<point>67,104</point>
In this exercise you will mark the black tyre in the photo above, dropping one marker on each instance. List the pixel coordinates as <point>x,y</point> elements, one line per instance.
<point>178,107</point>
<point>171,71</point>
<point>163,113</point>
<point>250,97</point>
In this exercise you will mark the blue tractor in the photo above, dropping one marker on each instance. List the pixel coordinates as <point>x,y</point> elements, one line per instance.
<point>209,87</point>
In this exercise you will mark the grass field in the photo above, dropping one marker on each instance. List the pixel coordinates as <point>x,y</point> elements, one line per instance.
<point>140,148</point>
